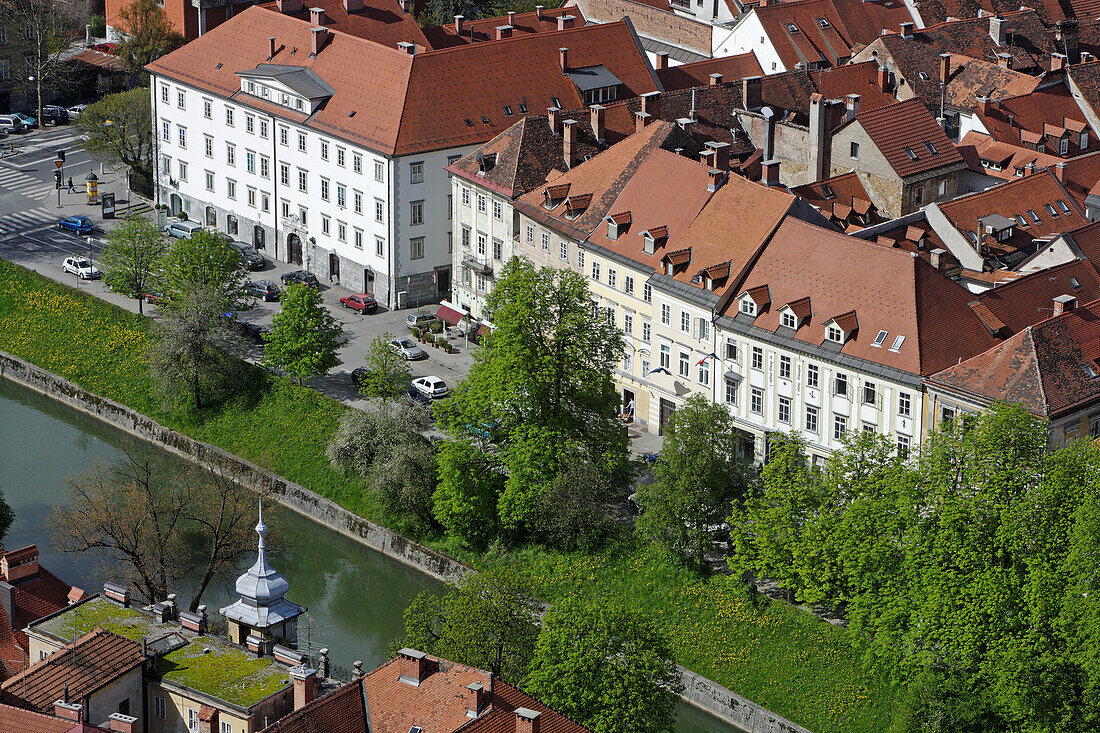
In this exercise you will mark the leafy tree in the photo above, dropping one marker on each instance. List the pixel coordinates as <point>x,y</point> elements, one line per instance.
<point>304,337</point>
<point>700,474</point>
<point>118,130</point>
<point>149,35</point>
<point>404,478</point>
<point>132,258</point>
<point>606,666</point>
<point>189,353</point>
<point>45,29</point>
<point>576,509</point>
<point>545,378</point>
<point>7,516</point>
<point>364,435</point>
<point>205,262</point>
<point>487,620</point>
<point>465,500</point>
<point>388,373</point>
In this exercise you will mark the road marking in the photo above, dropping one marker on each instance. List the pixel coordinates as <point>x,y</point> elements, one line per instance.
<point>23,220</point>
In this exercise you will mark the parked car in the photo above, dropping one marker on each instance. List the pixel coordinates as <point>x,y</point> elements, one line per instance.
<point>11,123</point>
<point>28,122</point>
<point>359,375</point>
<point>250,258</point>
<point>82,267</point>
<point>408,349</point>
<point>56,115</point>
<point>433,387</point>
<point>265,289</point>
<point>182,229</point>
<point>111,48</point>
<point>301,277</point>
<point>76,110</point>
<point>77,224</point>
<point>362,302</point>
<point>420,319</point>
<point>156,298</point>
<point>254,332</point>
<point>417,396</point>
<point>485,430</point>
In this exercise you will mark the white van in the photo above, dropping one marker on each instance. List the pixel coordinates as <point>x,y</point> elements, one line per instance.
<point>182,229</point>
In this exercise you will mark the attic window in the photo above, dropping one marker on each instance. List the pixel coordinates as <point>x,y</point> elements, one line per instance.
<point>507,111</point>
<point>351,114</point>
<point>416,729</point>
<point>909,151</point>
<point>555,102</point>
<point>484,120</point>
<point>748,307</point>
<point>792,28</point>
<point>218,66</point>
<point>930,148</point>
<point>973,236</point>
<point>1034,217</point>
<point>788,320</point>
<point>1063,206</point>
<point>1020,220</point>
<point>923,76</point>
<point>834,334</point>
<point>469,122</point>
<point>827,191</point>
<point>897,343</point>
<point>823,23</point>
<point>1073,283</point>
<point>879,339</point>
<point>1050,208</point>
<point>522,108</point>
<point>1091,370</point>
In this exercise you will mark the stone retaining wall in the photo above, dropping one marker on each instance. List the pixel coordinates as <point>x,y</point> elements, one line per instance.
<point>732,708</point>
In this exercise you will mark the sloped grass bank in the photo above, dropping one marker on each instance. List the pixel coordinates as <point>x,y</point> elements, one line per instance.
<point>782,658</point>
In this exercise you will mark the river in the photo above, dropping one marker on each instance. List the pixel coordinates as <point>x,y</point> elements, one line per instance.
<point>355,595</point>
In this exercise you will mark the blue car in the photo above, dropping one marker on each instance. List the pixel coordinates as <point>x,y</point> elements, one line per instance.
<point>78,224</point>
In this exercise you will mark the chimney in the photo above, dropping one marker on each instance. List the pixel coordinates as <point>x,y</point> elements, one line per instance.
<point>985,105</point>
<point>504,31</point>
<point>565,22</point>
<point>323,663</point>
<point>194,621</point>
<point>563,58</point>
<point>475,699</point>
<point>270,47</point>
<point>1004,60</point>
<point>527,720</point>
<point>88,35</point>
<point>1057,61</point>
<point>538,12</point>
<point>319,35</point>
<point>569,142</point>
<point>721,155</point>
<point>1065,34</point>
<point>553,119</point>
<point>122,723</point>
<point>907,29</point>
<point>685,124</point>
<point>651,104</point>
<point>938,259</point>
<point>512,18</point>
<point>641,119</point>
<point>771,173</point>
<point>851,106</point>
<point>884,79</point>
<point>1060,171</point>
<point>289,6</point>
<point>409,48</point>
<point>68,711</point>
<point>458,25</point>
<point>1064,303</point>
<point>305,685</point>
<point>208,719</point>
<point>769,135</point>
<point>662,60</point>
<point>997,30</point>
<point>716,179</point>
<point>816,146</point>
<point>255,644</point>
<point>1086,57</point>
<point>404,5</point>
<point>715,79</point>
<point>357,670</point>
<point>353,6</point>
<point>117,593</point>
<point>412,666</point>
<point>706,156</point>
<point>750,93</point>
<point>317,16</point>
<point>945,67</point>
<point>596,116</point>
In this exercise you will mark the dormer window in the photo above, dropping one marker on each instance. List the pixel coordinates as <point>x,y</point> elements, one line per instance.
<point>298,104</point>
<point>251,87</point>
<point>792,28</point>
<point>1063,146</point>
<point>787,320</point>
<point>617,224</point>
<point>834,334</point>
<point>554,195</point>
<point>747,306</point>
<point>284,99</point>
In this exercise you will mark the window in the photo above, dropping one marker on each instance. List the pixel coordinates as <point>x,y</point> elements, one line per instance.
<point>930,148</point>
<point>379,211</point>
<point>230,154</point>
<point>702,329</point>
<point>284,174</point>
<point>250,161</point>
<point>230,188</point>
<point>1084,139</point>
<point>301,142</point>
<point>757,358</point>
<point>854,150</point>
<point>481,244</point>
<point>498,211</point>
<point>324,150</point>
<point>226,727</point>
<point>595,270</point>
<point>530,229</point>
<point>563,251</point>
<point>647,293</point>
<point>265,202</point>
<point>812,375</point>
<point>869,393</point>
<point>684,364</point>
<point>748,307</point>
<point>283,136</point>
<point>341,231</point>
<point>302,211</point>
<point>1050,209</point>
<point>756,401</point>
<point>840,385</point>
<point>628,324</point>
<point>580,259</point>
<point>784,367</point>
<point>379,171</point>
<point>164,92</point>
<point>909,151</point>
<point>192,719</point>
<point>840,427</point>
<point>905,404</point>
<point>208,146</point>
<point>159,707</point>
<point>165,131</point>
<point>879,339</point>
<point>209,180</point>
<point>897,343</point>
<point>379,246</point>
<point>481,203</point>
<point>685,322</point>
<point>229,116</point>
<point>731,350</point>
<point>303,181</point>
<point>416,248</point>
<point>731,392</point>
<point>666,314</point>
<point>647,331</point>
<point>252,197</point>
<point>166,165</point>
<point>628,285</point>
<point>1063,146</point>
<point>250,124</point>
<point>834,334</point>
<point>941,188</point>
<point>416,213</point>
<point>903,446</point>
<point>263,129</point>
<point>1034,216</point>
<point>704,372</point>
<point>918,195</point>
<point>359,238</point>
<point>546,248</point>
<point>666,356</point>
<point>612,277</point>
<point>207,109</point>
<point>324,189</point>
<point>326,225</point>
<point>811,420</point>
<point>787,320</point>
<point>498,247</point>
<point>416,172</point>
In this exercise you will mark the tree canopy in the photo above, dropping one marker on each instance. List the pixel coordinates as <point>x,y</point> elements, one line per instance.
<point>205,262</point>
<point>149,35</point>
<point>118,129</point>
<point>304,337</point>
<point>388,373</point>
<point>132,259</point>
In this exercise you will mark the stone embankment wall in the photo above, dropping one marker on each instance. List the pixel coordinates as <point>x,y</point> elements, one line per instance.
<point>698,691</point>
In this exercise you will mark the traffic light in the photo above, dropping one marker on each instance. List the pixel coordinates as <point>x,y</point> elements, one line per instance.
<point>57,179</point>
<point>61,155</point>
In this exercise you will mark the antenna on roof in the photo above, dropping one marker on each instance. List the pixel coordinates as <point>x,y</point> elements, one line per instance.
<point>692,115</point>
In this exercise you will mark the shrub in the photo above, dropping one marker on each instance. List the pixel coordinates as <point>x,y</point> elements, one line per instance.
<point>436,327</point>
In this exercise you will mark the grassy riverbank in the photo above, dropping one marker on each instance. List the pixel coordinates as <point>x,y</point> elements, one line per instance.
<point>778,656</point>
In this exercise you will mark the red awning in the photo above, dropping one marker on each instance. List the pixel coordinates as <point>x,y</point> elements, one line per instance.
<point>482,330</point>
<point>448,315</point>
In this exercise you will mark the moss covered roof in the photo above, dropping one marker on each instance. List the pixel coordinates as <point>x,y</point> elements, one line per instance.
<point>208,664</point>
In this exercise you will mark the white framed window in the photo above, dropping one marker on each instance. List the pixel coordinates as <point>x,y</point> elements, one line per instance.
<point>164,93</point>
<point>226,727</point>
<point>612,277</point>
<point>357,201</point>
<point>379,246</point>
<point>498,248</point>
<point>545,242</point>
<point>731,392</point>
<point>379,171</point>
<point>812,375</point>
<point>666,356</point>
<point>685,322</point>
<point>784,367</point>
<point>250,161</point>
<point>498,211</point>
<point>180,99</point>
<point>359,239</point>
<point>252,197</point>
<point>903,446</point>
<point>301,142</point>
<point>229,117</point>
<point>482,239</point>
<point>250,124</point>
<point>230,154</point>
<point>702,329</point>
<point>787,320</point>
<point>326,225</point>
<point>870,394</point>
<point>647,293</point>
<point>628,285</point>
<point>416,248</point>
<point>416,213</point>
<point>756,401</point>
<point>666,314</point>
<point>379,211</point>
<point>192,719</point>
<point>341,231</point>
<point>265,166</point>
<point>840,427</point>
<point>466,202</point>
<point>303,181</point>
<point>265,202</point>
<point>905,404</point>
<point>416,172</point>
<point>684,364</point>
<point>182,136</point>
<point>731,349</point>
<point>563,251</point>
<point>834,334</point>
<point>208,109</point>
<point>783,414</point>
<point>748,307</point>
<point>481,203</point>
<point>208,146</point>
<point>263,129</point>
<point>757,358</point>
<point>303,215</point>
<point>284,136</point>
<point>704,372</point>
<point>580,259</point>
<point>628,324</point>
<point>840,385</point>
<point>324,150</point>
<point>811,419</point>
<point>230,188</point>
<point>647,331</point>
<point>284,174</point>
<point>341,157</point>
<point>209,180</point>
<point>341,196</point>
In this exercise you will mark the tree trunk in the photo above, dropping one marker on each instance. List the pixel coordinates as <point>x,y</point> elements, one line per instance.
<point>141,305</point>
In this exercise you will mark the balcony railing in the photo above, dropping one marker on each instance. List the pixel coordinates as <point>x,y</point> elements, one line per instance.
<point>477,264</point>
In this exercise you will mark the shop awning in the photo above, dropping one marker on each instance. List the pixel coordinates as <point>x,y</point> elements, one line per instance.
<point>482,330</point>
<point>448,315</point>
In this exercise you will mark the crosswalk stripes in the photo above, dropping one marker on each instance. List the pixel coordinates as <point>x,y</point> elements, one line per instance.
<point>19,221</point>
<point>22,184</point>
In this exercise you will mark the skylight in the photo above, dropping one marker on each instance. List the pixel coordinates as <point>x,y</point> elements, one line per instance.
<point>1063,206</point>
<point>1074,284</point>
<point>484,120</point>
<point>1034,217</point>
<point>912,155</point>
<point>1091,370</point>
<point>930,148</point>
<point>827,191</point>
<point>1020,220</point>
<point>522,108</point>
<point>823,23</point>
<point>923,76</point>
<point>507,111</point>
<point>792,28</point>
<point>1050,208</point>
<point>879,339</point>
<point>897,343</point>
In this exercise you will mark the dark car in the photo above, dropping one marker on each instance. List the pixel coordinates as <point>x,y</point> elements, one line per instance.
<point>362,302</point>
<point>54,114</point>
<point>254,332</point>
<point>301,277</point>
<point>265,289</point>
<point>359,376</point>
<point>250,258</point>
<point>417,396</point>
<point>77,224</point>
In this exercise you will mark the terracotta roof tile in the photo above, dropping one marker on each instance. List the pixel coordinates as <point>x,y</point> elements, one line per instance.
<point>909,126</point>
<point>831,195</point>
<point>697,74</point>
<point>1029,299</point>
<point>937,11</point>
<point>341,711</point>
<point>860,78</point>
<point>1042,116</point>
<point>18,720</point>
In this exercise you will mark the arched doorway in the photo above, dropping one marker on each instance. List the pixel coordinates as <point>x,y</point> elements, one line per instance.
<point>294,249</point>
<point>175,204</point>
<point>259,237</point>
<point>211,217</point>
<point>334,267</point>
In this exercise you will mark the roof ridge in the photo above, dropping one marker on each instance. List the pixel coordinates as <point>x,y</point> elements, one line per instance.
<point>434,52</point>
<point>1030,337</point>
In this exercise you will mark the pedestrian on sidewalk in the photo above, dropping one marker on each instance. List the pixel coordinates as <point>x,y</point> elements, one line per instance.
<point>71,189</point>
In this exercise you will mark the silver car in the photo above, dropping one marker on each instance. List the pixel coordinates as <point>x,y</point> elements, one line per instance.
<point>408,349</point>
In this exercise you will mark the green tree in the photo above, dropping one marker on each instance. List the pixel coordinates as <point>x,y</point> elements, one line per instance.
<point>487,620</point>
<point>388,373</point>
<point>149,35</point>
<point>7,516</point>
<point>465,500</point>
<point>577,508</point>
<point>606,666</point>
<point>366,434</point>
<point>304,337</point>
<point>404,477</point>
<point>118,130</point>
<point>205,262</point>
<point>700,475</point>
<point>545,377</point>
<point>44,31</point>
<point>132,258</point>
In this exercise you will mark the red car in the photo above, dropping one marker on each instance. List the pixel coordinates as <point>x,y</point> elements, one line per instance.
<point>362,302</point>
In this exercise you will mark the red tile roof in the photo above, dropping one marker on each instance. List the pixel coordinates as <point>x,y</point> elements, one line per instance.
<point>485,29</point>
<point>342,711</point>
<point>861,79</point>
<point>95,660</point>
<point>31,598</point>
<point>891,290</point>
<point>1042,116</point>
<point>697,73</point>
<point>381,21</point>
<point>397,103</point>
<point>18,720</point>
<point>908,125</point>
<point>839,197</point>
<point>1029,299</point>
